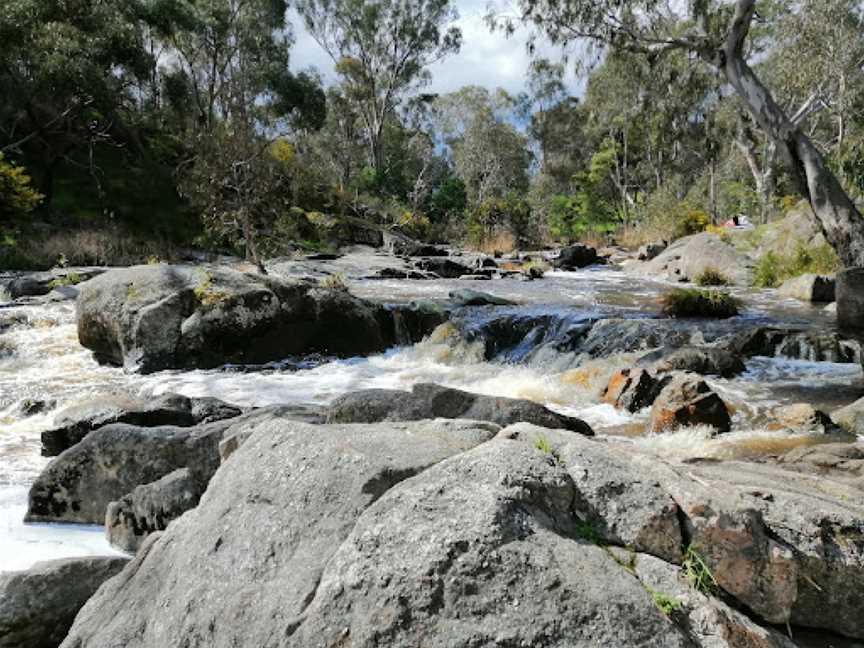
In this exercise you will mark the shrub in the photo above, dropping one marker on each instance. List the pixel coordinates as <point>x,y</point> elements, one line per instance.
<point>333,282</point>
<point>16,195</point>
<point>711,276</point>
<point>665,603</point>
<point>692,302</point>
<point>773,269</point>
<point>691,221</point>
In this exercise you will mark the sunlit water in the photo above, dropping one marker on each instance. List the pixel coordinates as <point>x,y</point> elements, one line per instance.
<point>40,359</point>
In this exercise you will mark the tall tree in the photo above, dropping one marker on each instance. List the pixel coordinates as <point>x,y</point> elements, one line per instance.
<point>382,50</point>
<point>717,32</point>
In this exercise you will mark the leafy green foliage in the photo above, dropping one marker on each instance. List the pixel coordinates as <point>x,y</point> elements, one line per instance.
<point>691,221</point>
<point>694,302</point>
<point>17,196</point>
<point>510,213</point>
<point>772,269</point>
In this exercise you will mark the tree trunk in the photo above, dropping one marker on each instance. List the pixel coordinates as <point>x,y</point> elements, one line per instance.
<point>251,246</point>
<point>840,221</point>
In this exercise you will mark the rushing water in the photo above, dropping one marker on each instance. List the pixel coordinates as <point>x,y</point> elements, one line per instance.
<point>40,359</point>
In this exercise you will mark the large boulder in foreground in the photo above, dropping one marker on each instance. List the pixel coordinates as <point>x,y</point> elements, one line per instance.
<point>38,606</point>
<point>428,401</point>
<point>242,567</point>
<point>328,536</point>
<point>76,422</point>
<point>148,318</point>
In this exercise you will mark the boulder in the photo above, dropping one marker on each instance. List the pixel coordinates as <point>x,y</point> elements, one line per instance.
<point>467,297</point>
<point>616,501</point>
<point>688,257</point>
<point>149,508</point>
<point>651,250</point>
<point>443,267</point>
<point>243,566</point>
<point>688,400</point>
<point>803,417</point>
<point>42,283</point>
<point>110,462</point>
<point>632,389</point>
<point>428,401</point>
<point>148,318</point>
<point>850,299</point>
<point>76,422</point>
<point>38,606</point>
<point>851,417</point>
<point>814,346</point>
<point>576,256</point>
<point>479,550</point>
<point>704,360</point>
<point>709,621</point>
<point>809,288</point>
<point>398,244</point>
<point>835,459</point>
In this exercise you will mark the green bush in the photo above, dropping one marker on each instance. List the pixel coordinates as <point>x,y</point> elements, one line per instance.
<point>773,269</point>
<point>16,194</point>
<point>691,221</point>
<point>711,276</point>
<point>693,302</point>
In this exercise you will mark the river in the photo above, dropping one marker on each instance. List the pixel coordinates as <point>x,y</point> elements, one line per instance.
<point>41,360</point>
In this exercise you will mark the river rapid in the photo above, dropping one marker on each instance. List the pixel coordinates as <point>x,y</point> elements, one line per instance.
<point>41,360</point>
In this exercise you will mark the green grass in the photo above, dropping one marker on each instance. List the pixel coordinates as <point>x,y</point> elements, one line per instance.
<point>71,279</point>
<point>665,603</point>
<point>711,276</point>
<point>697,572</point>
<point>695,302</point>
<point>334,282</point>
<point>773,269</point>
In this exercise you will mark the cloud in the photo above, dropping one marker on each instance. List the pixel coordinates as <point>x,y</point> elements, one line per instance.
<point>487,59</point>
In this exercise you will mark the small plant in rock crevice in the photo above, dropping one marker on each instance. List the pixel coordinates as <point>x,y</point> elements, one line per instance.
<point>334,282</point>
<point>665,603</point>
<point>697,572</point>
<point>693,302</point>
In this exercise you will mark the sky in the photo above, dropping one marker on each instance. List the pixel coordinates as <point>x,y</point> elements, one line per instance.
<point>487,59</point>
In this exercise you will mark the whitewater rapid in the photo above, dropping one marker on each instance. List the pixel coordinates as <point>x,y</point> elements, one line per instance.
<point>41,360</point>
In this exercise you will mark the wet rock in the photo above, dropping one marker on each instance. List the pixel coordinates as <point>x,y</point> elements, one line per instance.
<point>30,407</point>
<point>803,417</point>
<point>707,361</point>
<point>651,250</point>
<point>809,288</point>
<point>688,257</point>
<point>148,318</point>
<point>38,606</point>
<point>38,284</point>
<point>633,389</point>
<point>243,566</point>
<point>401,273</point>
<point>427,401</point>
<point>476,298</point>
<point>851,417</point>
<point>149,508</point>
<point>76,422</point>
<point>814,346</point>
<point>475,277</point>
<point>485,263</point>
<point>443,267</point>
<point>110,462</point>
<point>575,257</point>
<point>415,321</point>
<point>688,400</point>
<point>620,502</point>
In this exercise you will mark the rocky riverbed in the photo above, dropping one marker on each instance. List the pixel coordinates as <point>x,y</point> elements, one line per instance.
<point>547,462</point>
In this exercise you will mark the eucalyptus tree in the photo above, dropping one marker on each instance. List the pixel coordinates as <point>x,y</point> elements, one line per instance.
<point>65,78</point>
<point>382,50</point>
<point>717,32</point>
